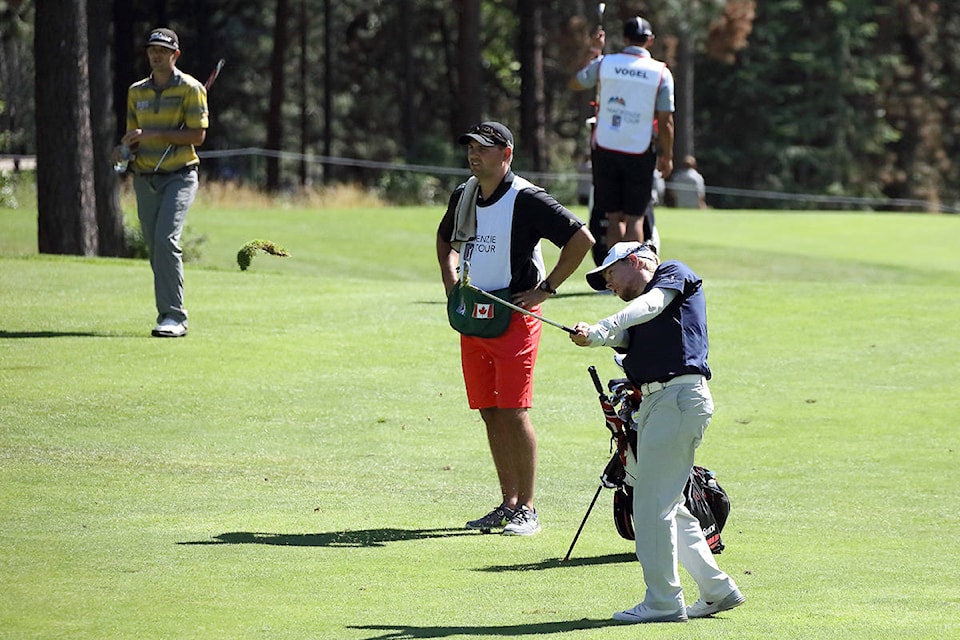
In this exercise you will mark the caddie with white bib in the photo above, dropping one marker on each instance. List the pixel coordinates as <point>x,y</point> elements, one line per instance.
<point>633,134</point>
<point>495,222</point>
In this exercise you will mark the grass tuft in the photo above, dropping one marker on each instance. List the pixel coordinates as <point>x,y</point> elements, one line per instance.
<point>246,253</point>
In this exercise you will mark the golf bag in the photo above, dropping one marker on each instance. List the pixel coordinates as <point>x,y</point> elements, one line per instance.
<point>703,495</point>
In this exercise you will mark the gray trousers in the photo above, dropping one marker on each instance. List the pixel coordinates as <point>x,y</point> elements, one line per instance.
<point>162,205</point>
<point>671,424</point>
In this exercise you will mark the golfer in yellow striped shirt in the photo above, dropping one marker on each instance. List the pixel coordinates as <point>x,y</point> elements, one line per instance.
<point>167,118</point>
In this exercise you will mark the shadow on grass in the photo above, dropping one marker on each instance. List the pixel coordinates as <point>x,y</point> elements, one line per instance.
<point>358,538</point>
<point>400,632</point>
<point>555,563</point>
<point>380,538</point>
<point>12,335</point>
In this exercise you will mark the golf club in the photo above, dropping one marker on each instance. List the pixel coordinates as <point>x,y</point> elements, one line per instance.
<point>583,522</point>
<point>465,281</point>
<point>209,83</point>
<point>614,423</point>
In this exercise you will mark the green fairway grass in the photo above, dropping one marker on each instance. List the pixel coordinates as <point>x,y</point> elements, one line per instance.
<point>302,463</point>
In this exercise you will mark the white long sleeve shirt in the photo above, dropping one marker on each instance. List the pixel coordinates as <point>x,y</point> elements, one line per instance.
<point>612,331</point>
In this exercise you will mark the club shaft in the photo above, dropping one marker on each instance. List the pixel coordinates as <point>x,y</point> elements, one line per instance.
<point>583,522</point>
<point>520,309</point>
<point>209,83</point>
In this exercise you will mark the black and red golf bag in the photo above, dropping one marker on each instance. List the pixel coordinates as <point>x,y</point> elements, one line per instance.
<point>703,495</point>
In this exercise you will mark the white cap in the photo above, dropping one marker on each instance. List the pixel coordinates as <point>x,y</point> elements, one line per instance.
<point>617,252</point>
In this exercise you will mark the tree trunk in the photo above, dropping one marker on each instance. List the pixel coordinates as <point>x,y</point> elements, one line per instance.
<point>469,91</point>
<point>533,113</point>
<point>277,76</point>
<point>304,28</point>
<point>329,86</point>
<point>408,117</point>
<point>66,218</point>
<point>683,128</point>
<point>110,237</point>
<point>124,61</point>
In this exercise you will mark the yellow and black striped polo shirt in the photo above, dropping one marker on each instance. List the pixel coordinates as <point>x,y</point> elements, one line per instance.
<point>182,102</point>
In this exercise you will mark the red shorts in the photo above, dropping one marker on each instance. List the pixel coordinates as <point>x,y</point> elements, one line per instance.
<point>498,372</point>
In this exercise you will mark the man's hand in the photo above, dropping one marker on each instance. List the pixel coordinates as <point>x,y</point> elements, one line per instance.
<point>529,298</point>
<point>599,42</point>
<point>582,336</point>
<point>665,166</point>
<point>132,137</point>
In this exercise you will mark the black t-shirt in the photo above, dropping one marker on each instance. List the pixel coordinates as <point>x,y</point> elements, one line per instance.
<point>536,215</point>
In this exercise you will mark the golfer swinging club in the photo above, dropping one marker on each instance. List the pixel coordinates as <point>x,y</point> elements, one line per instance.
<point>663,332</point>
<point>495,221</point>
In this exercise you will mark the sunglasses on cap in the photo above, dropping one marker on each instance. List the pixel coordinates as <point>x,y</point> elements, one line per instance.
<point>490,133</point>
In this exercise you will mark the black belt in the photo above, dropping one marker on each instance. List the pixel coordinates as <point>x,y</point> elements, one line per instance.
<point>182,171</point>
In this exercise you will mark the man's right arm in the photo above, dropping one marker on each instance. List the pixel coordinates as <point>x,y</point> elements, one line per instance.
<point>612,331</point>
<point>586,78</point>
<point>447,256</point>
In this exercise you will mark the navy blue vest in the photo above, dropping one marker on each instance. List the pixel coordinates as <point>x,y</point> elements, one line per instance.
<point>675,342</point>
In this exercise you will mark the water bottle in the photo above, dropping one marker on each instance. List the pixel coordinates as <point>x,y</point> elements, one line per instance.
<point>125,155</point>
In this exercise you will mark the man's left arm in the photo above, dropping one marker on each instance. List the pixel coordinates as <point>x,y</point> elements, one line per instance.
<point>571,255</point>
<point>196,118</point>
<point>663,113</point>
<point>665,143</point>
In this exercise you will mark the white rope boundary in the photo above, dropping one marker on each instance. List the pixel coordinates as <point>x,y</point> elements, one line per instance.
<point>906,203</point>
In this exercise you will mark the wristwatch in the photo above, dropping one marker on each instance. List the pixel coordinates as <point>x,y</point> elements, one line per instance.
<point>545,286</point>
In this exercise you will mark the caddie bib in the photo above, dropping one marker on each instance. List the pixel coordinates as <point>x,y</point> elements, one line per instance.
<point>627,105</point>
<point>489,252</point>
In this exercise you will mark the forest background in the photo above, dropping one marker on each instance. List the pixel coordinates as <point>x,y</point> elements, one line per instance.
<point>853,102</point>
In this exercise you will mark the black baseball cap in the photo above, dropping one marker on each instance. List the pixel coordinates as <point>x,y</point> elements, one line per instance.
<point>163,38</point>
<point>489,134</point>
<point>637,29</point>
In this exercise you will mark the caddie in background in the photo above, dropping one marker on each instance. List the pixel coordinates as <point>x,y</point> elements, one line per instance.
<point>167,117</point>
<point>635,105</point>
<point>663,332</point>
<point>495,222</point>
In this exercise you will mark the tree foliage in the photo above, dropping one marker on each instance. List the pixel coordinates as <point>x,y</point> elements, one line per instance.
<point>814,96</point>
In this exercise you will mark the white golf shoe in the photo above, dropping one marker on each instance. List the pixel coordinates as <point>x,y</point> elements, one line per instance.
<point>523,523</point>
<point>642,613</point>
<point>701,608</point>
<point>169,328</point>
